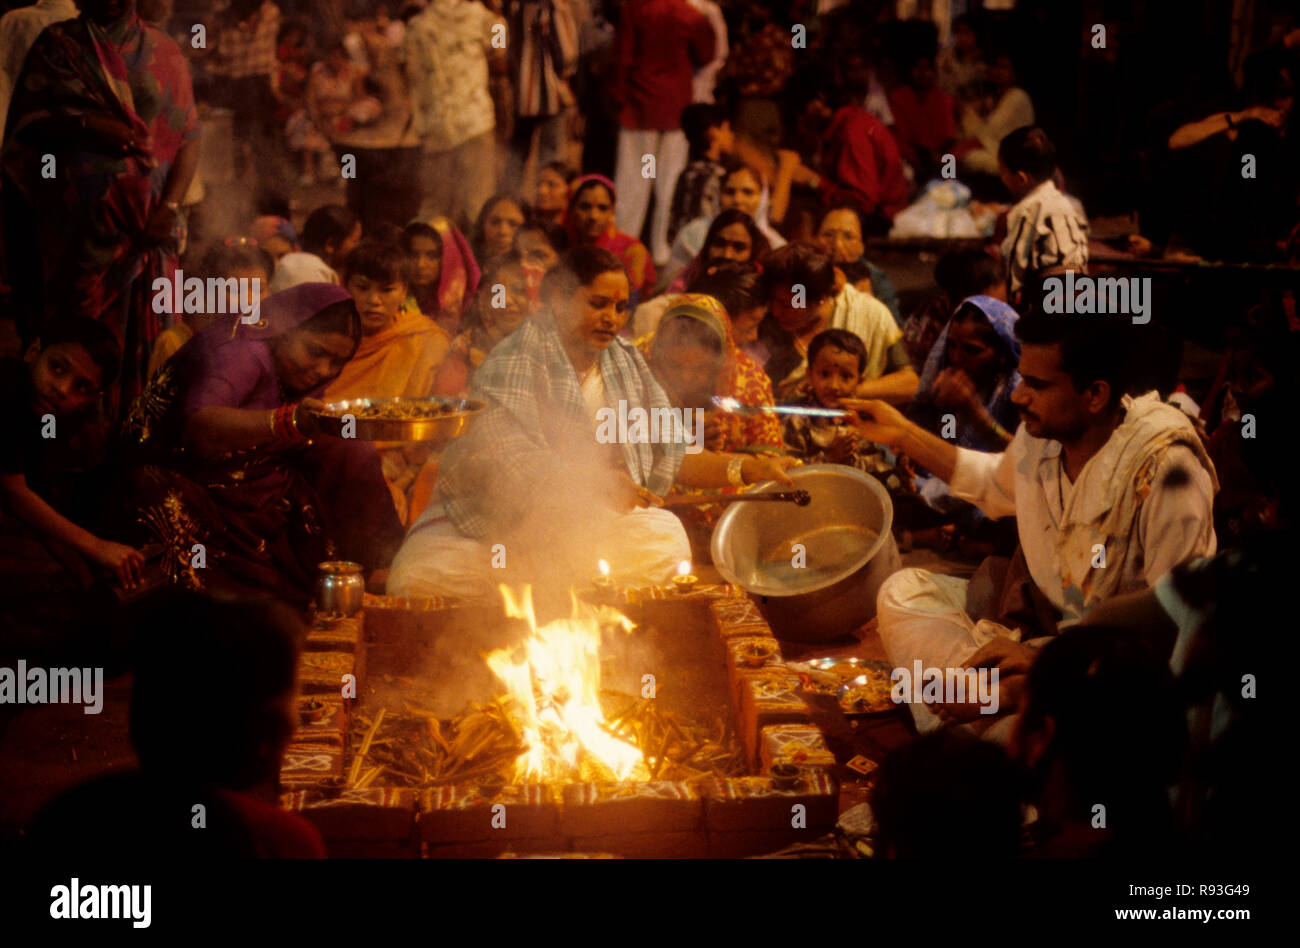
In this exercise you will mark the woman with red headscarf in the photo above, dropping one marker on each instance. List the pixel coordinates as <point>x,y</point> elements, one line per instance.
<point>590,221</point>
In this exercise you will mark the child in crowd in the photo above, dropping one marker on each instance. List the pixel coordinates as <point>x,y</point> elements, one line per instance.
<point>275,235</point>
<point>836,361</point>
<point>699,187</point>
<point>238,262</point>
<point>501,305</point>
<point>398,357</point>
<point>329,234</point>
<point>1046,230</point>
<point>53,393</point>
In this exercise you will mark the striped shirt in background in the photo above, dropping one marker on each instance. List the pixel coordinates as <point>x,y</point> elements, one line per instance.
<point>545,54</point>
<point>1046,230</point>
<point>248,49</point>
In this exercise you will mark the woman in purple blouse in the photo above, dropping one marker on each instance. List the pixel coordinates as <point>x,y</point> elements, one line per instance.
<point>231,476</point>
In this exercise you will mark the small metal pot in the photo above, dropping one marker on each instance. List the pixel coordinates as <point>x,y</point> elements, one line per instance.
<point>340,588</point>
<point>815,569</point>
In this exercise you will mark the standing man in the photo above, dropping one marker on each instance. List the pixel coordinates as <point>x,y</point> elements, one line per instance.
<point>447,51</point>
<point>660,45</point>
<point>246,62</point>
<point>543,55</point>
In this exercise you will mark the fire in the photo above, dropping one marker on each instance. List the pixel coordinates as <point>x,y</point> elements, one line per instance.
<point>554,678</point>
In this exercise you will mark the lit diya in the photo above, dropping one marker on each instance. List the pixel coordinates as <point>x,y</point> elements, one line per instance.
<point>685,580</point>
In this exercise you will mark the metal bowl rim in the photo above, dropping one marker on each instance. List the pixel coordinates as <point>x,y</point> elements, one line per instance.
<point>735,510</point>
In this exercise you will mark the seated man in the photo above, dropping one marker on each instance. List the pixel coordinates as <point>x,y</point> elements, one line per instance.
<point>1109,491</point>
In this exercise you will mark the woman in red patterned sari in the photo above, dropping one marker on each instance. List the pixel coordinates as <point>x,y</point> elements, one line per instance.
<point>102,141</point>
<point>591,221</point>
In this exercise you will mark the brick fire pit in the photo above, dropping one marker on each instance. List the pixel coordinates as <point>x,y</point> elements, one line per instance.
<point>696,646</point>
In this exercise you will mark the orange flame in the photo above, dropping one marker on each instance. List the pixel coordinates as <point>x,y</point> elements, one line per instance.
<point>554,678</point>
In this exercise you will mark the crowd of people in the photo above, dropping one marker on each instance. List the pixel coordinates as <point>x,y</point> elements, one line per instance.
<point>557,207</point>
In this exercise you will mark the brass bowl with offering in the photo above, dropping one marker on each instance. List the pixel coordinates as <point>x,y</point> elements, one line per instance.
<point>433,420</point>
<point>860,685</point>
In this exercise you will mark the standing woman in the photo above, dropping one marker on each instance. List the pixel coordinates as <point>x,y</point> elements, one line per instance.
<point>591,222</point>
<point>225,456</point>
<point>109,98</point>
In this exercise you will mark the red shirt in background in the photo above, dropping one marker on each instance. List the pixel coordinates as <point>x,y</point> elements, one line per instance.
<point>660,45</point>
<point>921,123</point>
<point>861,164</point>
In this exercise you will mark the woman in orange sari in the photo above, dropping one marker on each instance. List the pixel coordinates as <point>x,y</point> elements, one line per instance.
<point>398,356</point>
<point>591,221</point>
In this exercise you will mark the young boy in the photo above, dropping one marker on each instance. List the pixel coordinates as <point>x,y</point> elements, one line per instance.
<point>329,234</point>
<point>1046,230</point>
<point>53,391</point>
<point>836,361</point>
<point>223,263</point>
<point>699,187</point>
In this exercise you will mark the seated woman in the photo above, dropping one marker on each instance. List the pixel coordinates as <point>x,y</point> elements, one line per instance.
<point>398,357</point>
<point>494,229</point>
<point>444,272</point>
<point>591,223</point>
<point>840,234</point>
<point>535,487</point>
<point>499,307</point>
<point>733,236</point>
<point>540,244</point>
<point>965,395</point>
<point>743,189</point>
<point>230,474</point>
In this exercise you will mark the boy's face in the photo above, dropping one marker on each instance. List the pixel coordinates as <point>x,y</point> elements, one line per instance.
<point>1017,182</point>
<point>377,301</point>
<point>66,379</point>
<point>833,375</point>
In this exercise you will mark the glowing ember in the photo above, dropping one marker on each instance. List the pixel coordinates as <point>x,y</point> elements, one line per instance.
<point>604,568</point>
<point>554,678</point>
<point>684,568</point>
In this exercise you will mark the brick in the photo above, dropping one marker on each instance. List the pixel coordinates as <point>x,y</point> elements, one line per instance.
<point>498,849</point>
<point>305,765</point>
<point>735,647</point>
<point>330,729</point>
<point>745,843</point>
<point>603,809</point>
<point>688,845</point>
<point>462,813</point>
<point>370,813</point>
<point>768,696</point>
<point>321,673</point>
<point>373,849</point>
<point>737,617</point>
<point>799,744</point>
<point>336,634</point>
<point>752,804</point>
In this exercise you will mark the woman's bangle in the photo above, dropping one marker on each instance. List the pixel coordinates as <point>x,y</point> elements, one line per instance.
<point>284,426</point>
<point>734,475</point>
<point>274,437</point>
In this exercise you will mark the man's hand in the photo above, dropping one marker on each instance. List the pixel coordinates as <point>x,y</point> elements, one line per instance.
<point>127,563</point>
<point>715,433</point>
<point>755,470</point>
<point>954,390</point>
<point>1275,118</point>
<point>627,494</point>
<point>876,421</point>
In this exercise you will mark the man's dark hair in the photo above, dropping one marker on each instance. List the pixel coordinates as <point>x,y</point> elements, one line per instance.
<point>737,286</point>
<point>696,121</point>
<point>1093,348</point>
<point>1028,149</point>
<point>944,786</point>
<point>579,267</point>
<point>851,208</point>
<point>330,224</point>
<point>186,720</point>
<point>840,339</point>
<point>383,263</point>
<point>802,264</point>
<point>758,240</point>
<point>93,336</point>
<point>969,272</point>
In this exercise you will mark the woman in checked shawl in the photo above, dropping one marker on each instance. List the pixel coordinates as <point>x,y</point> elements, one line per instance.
<point>535,479</point>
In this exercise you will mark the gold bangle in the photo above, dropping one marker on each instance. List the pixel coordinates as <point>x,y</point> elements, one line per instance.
<point>272,420</point>
<point>734,475</point>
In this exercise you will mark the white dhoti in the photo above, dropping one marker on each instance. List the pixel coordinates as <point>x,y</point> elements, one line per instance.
<point>642,547</point>
<point>922,615</point>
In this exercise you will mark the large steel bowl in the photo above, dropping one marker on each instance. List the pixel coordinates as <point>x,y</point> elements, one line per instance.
<point>453,417</point>
<point>815,569</point>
